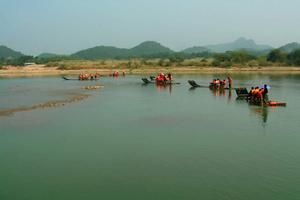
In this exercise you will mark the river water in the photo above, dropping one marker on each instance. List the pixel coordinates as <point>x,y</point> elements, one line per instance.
<point>134,141</point>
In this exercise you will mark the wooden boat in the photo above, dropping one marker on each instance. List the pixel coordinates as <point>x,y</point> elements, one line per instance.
<point>147,81</point>
<point>242,93</point>
<point>275,103</point>
<point>76,79</point>
<point>269,104</point>
<point>195,85</point>
<point>152,78</point>
<point>212,87</point>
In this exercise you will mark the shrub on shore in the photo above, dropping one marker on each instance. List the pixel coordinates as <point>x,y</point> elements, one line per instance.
<point>228,59</point>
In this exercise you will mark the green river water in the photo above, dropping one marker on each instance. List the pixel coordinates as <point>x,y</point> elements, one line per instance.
<point>137,142</point>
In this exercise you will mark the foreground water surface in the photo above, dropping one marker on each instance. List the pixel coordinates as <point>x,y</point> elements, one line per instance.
<point>131,141</point>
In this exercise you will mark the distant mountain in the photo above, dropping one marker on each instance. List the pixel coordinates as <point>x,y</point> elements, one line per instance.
<point>6,52</point>
<point>288,48</point>
<point>241,43</point>
<point>149,48</point>
<point>195,49</point>
<point>49,55</point>
<point>102,52</point>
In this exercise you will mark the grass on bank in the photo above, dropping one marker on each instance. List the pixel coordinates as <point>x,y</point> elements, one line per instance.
<point>155,63</point>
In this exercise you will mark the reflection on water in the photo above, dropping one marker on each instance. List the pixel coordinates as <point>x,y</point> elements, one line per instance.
<point>261,111</point>
<point>222,93</point>
<point>161,88</point>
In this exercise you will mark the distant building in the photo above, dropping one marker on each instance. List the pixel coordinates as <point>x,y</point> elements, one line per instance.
<point>29,63</point>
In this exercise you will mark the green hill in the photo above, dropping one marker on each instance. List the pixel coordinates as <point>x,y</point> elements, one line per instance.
<point>148,48</point>
<point>288,48</point>
<point>241,43</point>
<point>103,52</point>
<point>100,52</point>
<point>6,52</point>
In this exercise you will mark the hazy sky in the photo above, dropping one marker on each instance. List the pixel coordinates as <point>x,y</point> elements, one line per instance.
<point>66,26</point>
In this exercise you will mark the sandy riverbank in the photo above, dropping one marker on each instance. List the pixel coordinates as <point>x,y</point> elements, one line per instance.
<point>41,70</point>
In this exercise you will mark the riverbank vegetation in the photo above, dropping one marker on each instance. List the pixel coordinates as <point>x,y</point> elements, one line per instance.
<point>229,59</point>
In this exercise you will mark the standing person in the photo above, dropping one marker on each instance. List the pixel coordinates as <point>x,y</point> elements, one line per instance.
<point>169,77</point>
<point>265,93</point>
<point>229,82</point>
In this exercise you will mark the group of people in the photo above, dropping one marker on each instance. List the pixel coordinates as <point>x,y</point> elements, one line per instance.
<point>83,77</point>
<point>222,83</point>
<point>162,77</point>
<point>116,74</point>
<point>258,95</point>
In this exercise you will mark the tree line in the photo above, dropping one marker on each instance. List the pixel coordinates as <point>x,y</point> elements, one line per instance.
<point>275,57</point>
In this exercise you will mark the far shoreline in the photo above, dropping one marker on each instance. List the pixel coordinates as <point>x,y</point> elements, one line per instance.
<point>41,70</point>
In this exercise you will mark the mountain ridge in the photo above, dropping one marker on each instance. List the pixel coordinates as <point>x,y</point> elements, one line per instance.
<point>146,48</point>
<point>153,48</point>
<point>288,48</point>
<point>6,52</point>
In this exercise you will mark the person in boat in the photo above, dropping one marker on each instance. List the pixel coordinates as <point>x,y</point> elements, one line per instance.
<point>81,77</point>
<point>91,76</point>
<point>116,73</point>
<point>160,78</point>
<point>169,77</point>
<point>165,78</point>
<point>229,82</point>
<point>223,83</point>
<point>265,93</point>
<point>250,94</point>
<point>213,82</point>
<point>260,96</point>
<point>253,94</point>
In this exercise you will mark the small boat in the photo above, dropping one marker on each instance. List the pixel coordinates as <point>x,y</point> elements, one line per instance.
<point>242,93</point>
<point>212,87</point>
<point>195,85</point>
<point>68,79</point>
<point>147,81</point>
<point>268,103</point>
<point>275,103</point>
<point>76,79</point>
<point>152,78</point>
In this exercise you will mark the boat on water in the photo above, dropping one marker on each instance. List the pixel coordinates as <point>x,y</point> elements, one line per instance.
<point>268,103</point>
<point>211,86</point>
<point>147,81</point>
<point>77,79</point>
<point>243,94</point>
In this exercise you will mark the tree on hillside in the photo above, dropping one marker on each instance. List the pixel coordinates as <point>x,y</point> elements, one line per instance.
<point>294,57</point>
<point>20,61</point>
<point>276,55</point>
<point>241,57</point>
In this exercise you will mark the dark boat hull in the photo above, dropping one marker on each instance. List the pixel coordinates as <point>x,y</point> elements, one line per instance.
<point>212,87</point>
<point>269,103</point>
<point>76,79</point>
<point>147,81</point>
